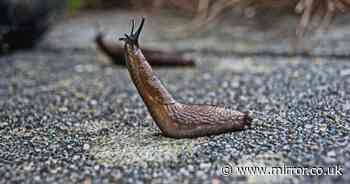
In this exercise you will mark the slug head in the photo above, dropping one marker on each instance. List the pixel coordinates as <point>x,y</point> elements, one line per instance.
<point>132,40</point>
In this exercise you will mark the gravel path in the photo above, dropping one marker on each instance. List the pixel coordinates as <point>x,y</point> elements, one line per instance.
<point>67,117</point>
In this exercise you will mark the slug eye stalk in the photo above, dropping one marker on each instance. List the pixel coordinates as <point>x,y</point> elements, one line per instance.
<point>133,37</point>
<point>175,119</point>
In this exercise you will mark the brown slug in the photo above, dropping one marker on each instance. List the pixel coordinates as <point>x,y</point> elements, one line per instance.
<point>175,119</point>
<point>158,58</point>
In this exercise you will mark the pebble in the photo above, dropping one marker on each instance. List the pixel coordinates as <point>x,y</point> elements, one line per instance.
<point>331,154</point>
<point>63,109</point>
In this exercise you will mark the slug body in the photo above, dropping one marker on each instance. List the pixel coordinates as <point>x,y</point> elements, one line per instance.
<point>174,119</point>
<point>156,58</point>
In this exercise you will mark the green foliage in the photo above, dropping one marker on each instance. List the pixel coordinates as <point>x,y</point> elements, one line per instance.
<point>74,5</point>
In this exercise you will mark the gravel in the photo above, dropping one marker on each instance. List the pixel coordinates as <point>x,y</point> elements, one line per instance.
<point>67,117</point>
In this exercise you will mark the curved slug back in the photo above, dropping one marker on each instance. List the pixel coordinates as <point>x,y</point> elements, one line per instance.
<point>147,83</point>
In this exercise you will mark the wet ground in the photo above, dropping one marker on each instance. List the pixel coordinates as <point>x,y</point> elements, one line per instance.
<point>67,116</point>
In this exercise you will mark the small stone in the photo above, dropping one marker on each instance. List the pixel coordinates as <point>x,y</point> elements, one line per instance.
<point>93,102</point>
<point>200,174</point>
<point>204,165</point>
<point>345,72</point>
<point>331,154</point>
<point>190,168</point>
<point>308,126</point>
<point>346,106</point>
<point>3,124</point>
<point>206,76</point>
<point>37,178</point>
<point>63,109</point>
<point>323,127</point>
<point>184,172</point>
<point>79,68</point>
<point>76,157</point>
<point>86,147</point>
<point>342,141</point>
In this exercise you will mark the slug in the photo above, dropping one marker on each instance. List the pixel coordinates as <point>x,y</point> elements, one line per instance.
<point>174,119</point>
<point>157,58</point>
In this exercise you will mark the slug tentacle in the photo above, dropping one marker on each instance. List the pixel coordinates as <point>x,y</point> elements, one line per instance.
<point>134,37</point>
<point>173,118</point>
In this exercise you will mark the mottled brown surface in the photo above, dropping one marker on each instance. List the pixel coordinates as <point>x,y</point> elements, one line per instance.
<point>204,120</point>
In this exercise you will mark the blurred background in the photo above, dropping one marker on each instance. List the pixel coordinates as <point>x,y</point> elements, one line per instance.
<point>253,26</point>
